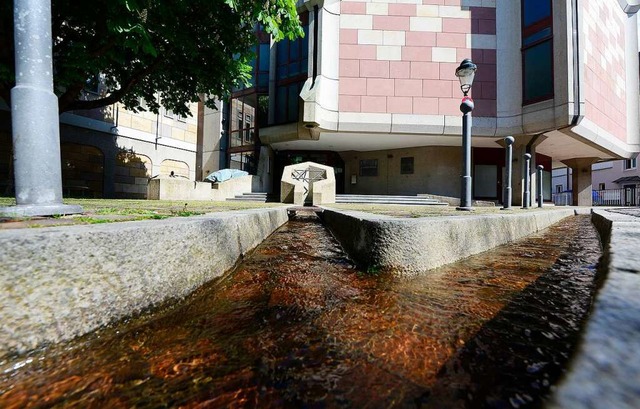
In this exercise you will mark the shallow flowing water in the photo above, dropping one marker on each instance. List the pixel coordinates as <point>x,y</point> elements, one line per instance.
<point>297,325</point>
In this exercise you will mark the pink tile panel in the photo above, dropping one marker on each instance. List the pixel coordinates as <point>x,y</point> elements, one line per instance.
<point>400,105</point>
<point>605,98</point>
<point>380,87</point>
<point>375,104</point>
<point>400,69</point>
<point>420,38</point>
<point>359,51</point>
<point>374,69</point>
<point>425,106</point>
<point>349,103</point>
<point>402,10</point>
<point>455,40</point>
<point>396,23</point>
<point>349,68</point>
<point>408,88</point>
<point>352,7</point>
<point>348,36</point>
<point>415,84</point>
<point>353,86</point>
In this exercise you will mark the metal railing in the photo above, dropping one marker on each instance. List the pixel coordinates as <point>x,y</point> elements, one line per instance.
<point>616,197</point>
<point>607,197</point>
<point>562,199</point>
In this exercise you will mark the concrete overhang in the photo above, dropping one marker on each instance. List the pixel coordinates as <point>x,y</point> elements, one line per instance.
<point>630,6</point>
<point>354,141</point>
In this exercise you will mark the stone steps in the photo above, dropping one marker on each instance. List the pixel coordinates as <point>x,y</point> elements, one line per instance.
<point>254,197</point>
<point>389,199</point>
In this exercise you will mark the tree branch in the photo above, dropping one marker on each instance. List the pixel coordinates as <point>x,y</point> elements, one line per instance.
<point>69,102</point>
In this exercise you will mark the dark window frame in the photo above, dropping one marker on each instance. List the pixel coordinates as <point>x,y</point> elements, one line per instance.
<point>407,165</point>
<point>630,164</point>
<point>529,31</point>
<point>286,113</point>
<point>368,167</point>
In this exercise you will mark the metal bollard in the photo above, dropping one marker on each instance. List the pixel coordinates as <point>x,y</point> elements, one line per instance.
<point>508,159</point>
<point>526,201</point>
<point>539,190</point>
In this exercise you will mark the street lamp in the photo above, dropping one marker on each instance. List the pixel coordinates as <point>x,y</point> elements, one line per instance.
<point>465,73</point>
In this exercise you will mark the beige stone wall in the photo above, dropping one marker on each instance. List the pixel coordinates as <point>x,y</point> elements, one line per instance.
<point>436,171</point>
<point>82,170</point>
<point>177,167</point>
<point>166,124</point>
<point>133,171</point>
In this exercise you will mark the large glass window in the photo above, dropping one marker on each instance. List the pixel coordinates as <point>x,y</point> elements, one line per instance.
<point>243,121</point>
<point>291,73</point>
<point>537,51</point>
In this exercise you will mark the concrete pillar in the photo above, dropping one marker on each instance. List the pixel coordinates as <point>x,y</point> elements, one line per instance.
<point>581,180</point>
<point>34,112</point>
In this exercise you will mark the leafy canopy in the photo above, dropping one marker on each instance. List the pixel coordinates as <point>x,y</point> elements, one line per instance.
<point>165,52</point>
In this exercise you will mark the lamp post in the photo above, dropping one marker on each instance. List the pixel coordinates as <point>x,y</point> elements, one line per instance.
<point>34,117</point>
<point>465,73</point>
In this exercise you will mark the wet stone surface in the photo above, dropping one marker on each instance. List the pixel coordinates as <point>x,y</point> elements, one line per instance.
<point>296,325</point>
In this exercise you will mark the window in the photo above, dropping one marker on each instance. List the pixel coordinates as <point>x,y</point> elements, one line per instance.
<point>537,51</point>
<point>292,65</point>
<point>600,186</point>
<point>629,164</point>
<point>243,161</point>
<point>558,188</point>
<point>406,166</point>
<point>369,167</point>
<point>242,132</point>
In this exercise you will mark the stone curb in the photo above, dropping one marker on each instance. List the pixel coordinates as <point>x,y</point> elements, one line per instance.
<point>60,282</point>
<point>605,372</point>
<point>412,246</point>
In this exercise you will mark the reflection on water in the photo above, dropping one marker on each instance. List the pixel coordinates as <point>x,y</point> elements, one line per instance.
<point>296,325</point>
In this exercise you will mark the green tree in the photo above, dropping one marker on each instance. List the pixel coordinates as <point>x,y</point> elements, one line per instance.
<point>176,49</point>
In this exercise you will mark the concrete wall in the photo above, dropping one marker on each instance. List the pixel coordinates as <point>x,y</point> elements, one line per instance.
<point>61,282</point>
<point>436,171</point>
<point>413,246</point>
<point>175,188</point>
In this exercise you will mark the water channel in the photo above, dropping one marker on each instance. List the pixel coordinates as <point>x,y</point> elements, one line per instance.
<point>297,325</point>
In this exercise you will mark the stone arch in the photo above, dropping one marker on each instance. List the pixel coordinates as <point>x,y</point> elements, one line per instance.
<point>133,171</point>
<point>179,168</point>
<point>82,170</point>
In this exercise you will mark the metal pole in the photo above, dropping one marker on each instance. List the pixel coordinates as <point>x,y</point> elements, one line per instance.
<point>539,190</point>
<point>526,202</point>
<point>34,116</point>
<point>508,159</point>
<point>465,195</point>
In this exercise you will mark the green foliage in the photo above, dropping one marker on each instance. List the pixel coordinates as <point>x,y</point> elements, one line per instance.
<point>165,53</point>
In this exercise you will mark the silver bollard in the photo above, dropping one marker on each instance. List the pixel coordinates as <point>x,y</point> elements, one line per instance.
<point>526,201</point>
<point>508,159</point>
<point>539,190</point>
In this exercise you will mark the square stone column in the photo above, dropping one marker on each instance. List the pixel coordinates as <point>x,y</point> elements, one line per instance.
<point>581,180</point>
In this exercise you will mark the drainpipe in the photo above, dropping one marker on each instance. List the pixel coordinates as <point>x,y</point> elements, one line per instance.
<point>577,117</point>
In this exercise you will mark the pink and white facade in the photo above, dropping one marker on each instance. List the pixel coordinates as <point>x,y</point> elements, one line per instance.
<point>381,89</point>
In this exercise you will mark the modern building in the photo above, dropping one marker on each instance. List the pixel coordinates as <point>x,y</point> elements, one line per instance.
<point>371,90</point>
<point>618,181</point>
